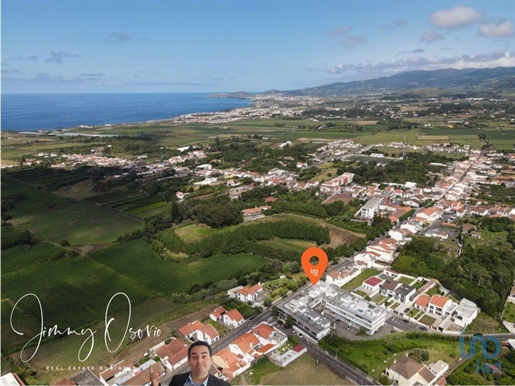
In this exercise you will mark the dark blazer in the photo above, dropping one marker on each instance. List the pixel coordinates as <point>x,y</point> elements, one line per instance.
<point>180,380</point>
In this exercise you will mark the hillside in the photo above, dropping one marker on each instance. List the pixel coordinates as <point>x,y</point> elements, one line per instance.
<point>495,79</point>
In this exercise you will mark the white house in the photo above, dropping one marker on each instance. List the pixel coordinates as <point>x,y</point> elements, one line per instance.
<point>406,372</point>
<point>198,331</point>
<point>216,315</point>
<point>465,313</point>
<point>440,305</point>
<point>173,355</point>
<point>233,318</point>
<point>250,294</point>
<point>229,364</point>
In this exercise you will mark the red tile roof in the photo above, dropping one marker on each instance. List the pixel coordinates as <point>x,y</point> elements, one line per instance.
<point>373,281</point>
<point>235,315</point>
<point>438,301</point>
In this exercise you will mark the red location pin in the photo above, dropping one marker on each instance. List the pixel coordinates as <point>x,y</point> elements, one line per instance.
<point>314,271</point>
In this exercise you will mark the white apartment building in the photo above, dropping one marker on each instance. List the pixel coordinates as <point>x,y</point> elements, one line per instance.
<point>350,308</point>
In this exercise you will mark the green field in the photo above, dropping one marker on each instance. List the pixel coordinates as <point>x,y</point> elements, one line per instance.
<point>358,280</point>
<point>373,356</point>
<point>35,201</point>
<point>509,312</point>
<point>73,292</point>
<point>20,257</point>
<point>136,261</point>
<point>303,371</point>
<point>80,224</point>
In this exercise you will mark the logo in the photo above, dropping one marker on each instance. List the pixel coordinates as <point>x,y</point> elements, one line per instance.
<point>484,367</point>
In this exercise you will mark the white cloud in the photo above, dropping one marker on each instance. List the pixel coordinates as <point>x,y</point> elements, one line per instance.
<point>57,57</point>
<point>501,29</point>
<point>415,51</point>
<point>431,36</point>
<point>457,17</point>
<point>371,70</point>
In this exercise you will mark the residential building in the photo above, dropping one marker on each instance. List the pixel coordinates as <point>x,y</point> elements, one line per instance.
<point>465,313</point>
<point>250,294</point>
<point>422,302</point>
<point>233,318</point>
<point>440,305</point>
<point>355,310</point>
<point>198,331</point>
<point>216,315</point>
<point>369,210</point>
<point>229,364</point>
<point>408,372</point>
<point>173,354</point>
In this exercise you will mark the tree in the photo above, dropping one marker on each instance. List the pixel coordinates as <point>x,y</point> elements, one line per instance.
<point>289,322</point>
<point>419,355</point>
<point>64,243</point>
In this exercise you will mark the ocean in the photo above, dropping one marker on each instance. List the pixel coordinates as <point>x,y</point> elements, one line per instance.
<point>31,112</point>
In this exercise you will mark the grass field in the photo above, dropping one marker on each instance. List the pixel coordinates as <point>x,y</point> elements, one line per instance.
<point>77,191</point>
<point>193,232</point>
<point>374,356</point>
<point>358,280</point>
<point>73,292</point>
<point>19,257</point>
<point>303,371</point>
<point>80,224</point>
<point>509,312</point>
<point>483,324</point>
<point>136,261</point>
<point>297,245</point>
<point>35,201</point>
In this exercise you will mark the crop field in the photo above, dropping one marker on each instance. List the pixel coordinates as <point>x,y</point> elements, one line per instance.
<point>15,146</point>
<point>152,209</point>
<point>35,200</point>
<point>72,292</point>
<point>297,245</point>
<point>79,224</point>
<point>22,256</point>
<point>49,177</point>
<point>132,203</point>
<point>77,191</point>
<point>136,261</point>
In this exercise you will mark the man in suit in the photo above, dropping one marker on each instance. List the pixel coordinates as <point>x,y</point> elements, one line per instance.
<point>200,360</point>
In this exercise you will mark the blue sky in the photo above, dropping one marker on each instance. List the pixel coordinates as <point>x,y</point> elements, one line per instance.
<point>204,46</point>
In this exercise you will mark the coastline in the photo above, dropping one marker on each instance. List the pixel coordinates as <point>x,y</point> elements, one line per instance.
<point>50,112</point>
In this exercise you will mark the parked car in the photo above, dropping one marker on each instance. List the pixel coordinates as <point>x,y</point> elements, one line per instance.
<point>407,309</point>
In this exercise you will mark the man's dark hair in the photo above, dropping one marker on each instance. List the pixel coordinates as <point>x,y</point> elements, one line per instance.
<point>199,343</point>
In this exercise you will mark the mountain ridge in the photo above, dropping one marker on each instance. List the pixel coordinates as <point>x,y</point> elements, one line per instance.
<point>495,79</point>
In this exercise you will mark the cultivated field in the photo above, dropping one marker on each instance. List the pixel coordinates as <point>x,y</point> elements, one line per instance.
<point>79,224</point>
<point>73,292</point>
<point>136,261</point>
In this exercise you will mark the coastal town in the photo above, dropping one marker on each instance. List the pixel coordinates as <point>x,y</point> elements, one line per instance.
<point>380,301</point>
